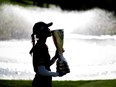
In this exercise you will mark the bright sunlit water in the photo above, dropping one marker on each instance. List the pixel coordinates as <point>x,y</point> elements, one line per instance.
<point>89,41</point>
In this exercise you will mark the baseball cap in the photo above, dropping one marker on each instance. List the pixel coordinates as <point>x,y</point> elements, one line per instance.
<point>40,26</point>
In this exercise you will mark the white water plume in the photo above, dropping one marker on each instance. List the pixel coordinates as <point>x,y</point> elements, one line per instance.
<point>16,22</point>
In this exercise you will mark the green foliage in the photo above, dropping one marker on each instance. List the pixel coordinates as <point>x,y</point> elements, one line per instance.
<point>91,83</point>
<point>4,1</point>
<point>22,2</point>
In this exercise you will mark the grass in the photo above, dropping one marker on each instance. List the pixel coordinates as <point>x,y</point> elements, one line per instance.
<point>88,83</point>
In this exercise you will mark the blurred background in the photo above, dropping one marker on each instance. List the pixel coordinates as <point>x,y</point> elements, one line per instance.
<point>89,36</point>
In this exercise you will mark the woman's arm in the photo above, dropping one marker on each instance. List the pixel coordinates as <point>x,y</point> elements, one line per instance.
<point>53,60</point>
<point>43,71</point>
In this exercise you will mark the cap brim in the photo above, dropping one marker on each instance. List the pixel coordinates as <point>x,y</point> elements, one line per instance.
<point>49,24</point>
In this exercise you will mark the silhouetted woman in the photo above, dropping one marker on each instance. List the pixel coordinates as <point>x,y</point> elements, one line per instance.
<point>41,57</point>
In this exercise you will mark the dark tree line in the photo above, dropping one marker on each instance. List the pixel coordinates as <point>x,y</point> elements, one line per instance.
<point>80,4</point>
<point>77,4</point>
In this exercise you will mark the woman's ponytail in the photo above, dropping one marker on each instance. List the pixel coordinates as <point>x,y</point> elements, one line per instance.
<point>33,40</point>
<point>33,43</point>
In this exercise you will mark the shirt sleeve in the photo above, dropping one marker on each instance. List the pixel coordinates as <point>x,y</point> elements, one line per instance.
<point>43,71</point>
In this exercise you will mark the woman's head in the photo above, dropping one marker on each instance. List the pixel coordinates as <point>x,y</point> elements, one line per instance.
<point>41,29</point>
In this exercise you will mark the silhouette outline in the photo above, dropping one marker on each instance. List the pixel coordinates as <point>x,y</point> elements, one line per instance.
<point>41,57</point>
